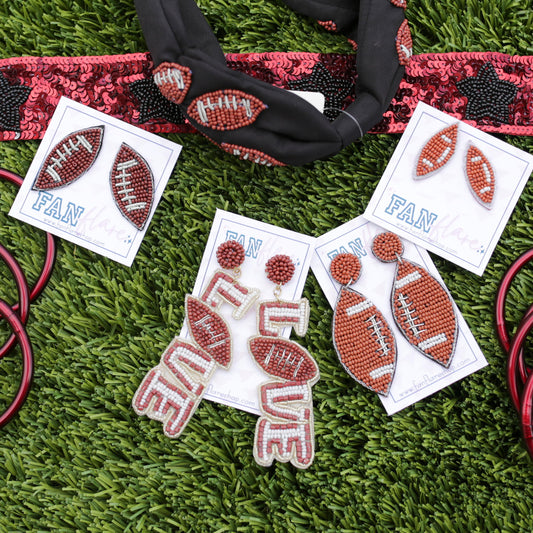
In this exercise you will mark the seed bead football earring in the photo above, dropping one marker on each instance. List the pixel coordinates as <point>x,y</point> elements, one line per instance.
<point>422,308</point>
<point>173,389</point>
<point>285,429</point>
<point>479,173</point>
<point>363,340</point>
<point>480,176</point>
<point>437,151</point>
<point>130,178</point>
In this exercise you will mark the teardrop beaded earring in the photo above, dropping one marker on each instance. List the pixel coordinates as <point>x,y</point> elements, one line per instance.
<point>422,308</point>
<point>363,340</point>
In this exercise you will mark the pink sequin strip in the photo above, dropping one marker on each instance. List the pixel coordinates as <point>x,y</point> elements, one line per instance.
<point>122,86</point>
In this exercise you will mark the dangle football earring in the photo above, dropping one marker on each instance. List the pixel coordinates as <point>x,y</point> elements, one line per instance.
<point>172,390</point>
<point>285,429</point>
<point>422,308</point>
<point>363,339</point>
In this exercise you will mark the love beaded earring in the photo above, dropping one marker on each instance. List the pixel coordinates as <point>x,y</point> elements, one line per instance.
<point>421,306</point>
<point>363,340</point>
<point>285,430</point>
<point>173,389</point>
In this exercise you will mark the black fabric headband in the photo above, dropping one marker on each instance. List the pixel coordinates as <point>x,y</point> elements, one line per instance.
<point>253,119</point>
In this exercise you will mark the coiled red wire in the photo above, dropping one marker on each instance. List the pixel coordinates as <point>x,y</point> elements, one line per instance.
<point>17,314</point>
<point>519,374</point>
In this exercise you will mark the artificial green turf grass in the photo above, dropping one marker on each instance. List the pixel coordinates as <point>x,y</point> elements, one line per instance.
<point>77,458</point>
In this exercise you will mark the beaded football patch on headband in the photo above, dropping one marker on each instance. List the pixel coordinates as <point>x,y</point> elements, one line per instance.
<point>173,81</point>
<point>422,308</point>
<point>225,110</point>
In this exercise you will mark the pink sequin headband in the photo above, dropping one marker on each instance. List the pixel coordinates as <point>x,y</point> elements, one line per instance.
<point>123,87</point>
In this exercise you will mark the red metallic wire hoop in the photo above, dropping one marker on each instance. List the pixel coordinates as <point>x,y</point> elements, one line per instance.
<point>24,297</point>
<point>522,371</point>
<point>49,260</point>
<point>27,362</point>
<point>526,401</point>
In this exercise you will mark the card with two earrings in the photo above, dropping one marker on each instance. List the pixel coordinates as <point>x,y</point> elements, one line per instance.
<point>395,329</point>
<point>450,188</point>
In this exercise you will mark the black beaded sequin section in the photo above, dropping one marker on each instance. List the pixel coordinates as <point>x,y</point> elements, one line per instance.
<point>335,90</point>
<point>153,104</point>
<point>488,96</point>
<point>11,98</point>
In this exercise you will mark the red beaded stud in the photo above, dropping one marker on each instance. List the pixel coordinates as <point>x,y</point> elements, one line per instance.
<point>345,268</point>
<point>132,186</point>
<point>280,269</point>
<point>230,255</point>
<point>480,176</point>
<point>70,158</point>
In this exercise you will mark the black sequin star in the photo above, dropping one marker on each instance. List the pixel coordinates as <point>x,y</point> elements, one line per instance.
<point>153,104</point>
<point>11,98</point>
<point>488,96</point>
<point>335,90</point>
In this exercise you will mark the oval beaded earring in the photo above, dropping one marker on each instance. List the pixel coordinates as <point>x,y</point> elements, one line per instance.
<point>132,185</point>
<point>362,338</point>
<point>422,308</point>
<point>480,176</point>
<point>437,151</point>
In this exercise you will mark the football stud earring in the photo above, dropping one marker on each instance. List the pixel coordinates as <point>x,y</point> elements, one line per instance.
<point>437,151</point>
<point>70,158</point>
<point>480,176</point>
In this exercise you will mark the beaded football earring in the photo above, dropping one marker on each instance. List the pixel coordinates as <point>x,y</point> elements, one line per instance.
<point>173,389</point>
<point>422,308</point>
<point>132,185</point>
<point>437,151</point>
<point>285,429</point>
<point>479,173</point>
<point>363,339</point>
<point>480,176</point>
<point>70,158</point>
